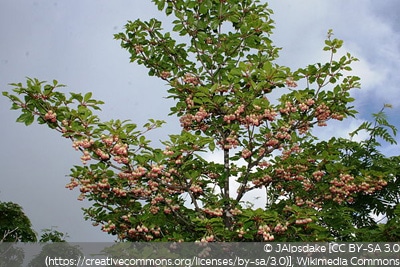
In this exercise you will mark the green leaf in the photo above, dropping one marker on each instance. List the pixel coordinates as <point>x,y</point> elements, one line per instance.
<point>178,28</point>
<point>211,146</point>
<point>161,4</point>
<point>77,97</point>
<point>27,118</point>
<point>87,96</point>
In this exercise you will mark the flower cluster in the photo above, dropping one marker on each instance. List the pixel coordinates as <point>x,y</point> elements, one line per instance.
<point>165,75</point>
<point>343,188</point>
<point>289,108</point>
<point>50,116</point>
<point>108,141</point>
<point>318,175</point>
<point>120,152</point>
<point>190,121</point>
<point>303,221</point>
<point>138,49</point>
<point>322,113</point>
<point>120,149</point>
<point>290,83</point>
<point>191,79</point>
<point>169,210</point>
<point>102,155</point>
<point>196,189</point>
<point>246,153</point>
<point>279,228</point>
<point>229,142</point>
<point>262,181</point>
<point>109,227</point>
<point>240,232</point>
<point>218,212</point>
<point>201,115</point>
<point>209,238</point>
<point>265,231</point>
<point>252,119</point>
<point>168,151</point>
<point>235,211</point>
<point>85,157</point>
<point>140,232</point>
<point>82,144</point>
<point>291,173</point>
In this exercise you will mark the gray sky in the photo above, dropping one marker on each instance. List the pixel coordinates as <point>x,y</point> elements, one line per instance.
<point>72,41</point>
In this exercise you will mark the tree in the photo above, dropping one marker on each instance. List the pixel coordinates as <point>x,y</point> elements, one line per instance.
<point>52,235</point>
<point>14,224</point>
<point>231,97</point>
<point>55,245</point>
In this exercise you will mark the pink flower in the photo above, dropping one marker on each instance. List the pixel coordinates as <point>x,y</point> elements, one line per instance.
<point>50,116</point>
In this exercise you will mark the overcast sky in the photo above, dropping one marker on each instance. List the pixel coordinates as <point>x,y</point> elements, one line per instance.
<point>72,41</point>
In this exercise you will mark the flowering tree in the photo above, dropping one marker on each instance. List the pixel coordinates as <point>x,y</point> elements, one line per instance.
<point>234,100</point>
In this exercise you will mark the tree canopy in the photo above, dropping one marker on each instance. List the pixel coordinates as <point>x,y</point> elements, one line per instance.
<point>234,100</point>
<point>14,224</point>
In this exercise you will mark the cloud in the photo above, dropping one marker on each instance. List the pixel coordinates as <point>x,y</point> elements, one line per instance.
<point>368,35</point>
